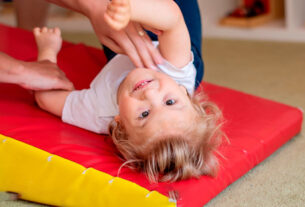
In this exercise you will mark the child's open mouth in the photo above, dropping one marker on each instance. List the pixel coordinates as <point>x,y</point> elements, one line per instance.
<point>141,84</point>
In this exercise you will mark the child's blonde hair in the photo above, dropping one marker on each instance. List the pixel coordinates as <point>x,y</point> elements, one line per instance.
<point>174,158</point>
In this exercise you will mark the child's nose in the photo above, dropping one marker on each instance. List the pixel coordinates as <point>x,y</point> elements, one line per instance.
<point>149,94</point>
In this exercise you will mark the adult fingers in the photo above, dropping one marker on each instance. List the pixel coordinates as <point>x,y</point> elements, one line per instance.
<point>110,43</point>
<point>136,33</point>
<point>150,54</point>
<point>153,51</point>
<point>128,46</point>
<point>63,83</point>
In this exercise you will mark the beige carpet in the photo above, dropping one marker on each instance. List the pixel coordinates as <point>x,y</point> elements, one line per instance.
<point>275,71</point>
<point>271,70</point>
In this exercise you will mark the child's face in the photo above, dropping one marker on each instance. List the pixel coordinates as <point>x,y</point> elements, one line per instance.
<point>153,104</point>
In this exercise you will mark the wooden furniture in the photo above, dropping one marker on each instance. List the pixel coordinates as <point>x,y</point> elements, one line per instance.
<point>287,23</point>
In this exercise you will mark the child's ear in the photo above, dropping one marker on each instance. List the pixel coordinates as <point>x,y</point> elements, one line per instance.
<point>183,89</point>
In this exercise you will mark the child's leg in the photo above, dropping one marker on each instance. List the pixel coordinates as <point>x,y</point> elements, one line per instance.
<point>191,14</point>
<point>48,42</point>
<point>164,15</point>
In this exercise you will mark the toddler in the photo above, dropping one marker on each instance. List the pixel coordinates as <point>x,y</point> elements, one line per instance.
<point>157,123</point>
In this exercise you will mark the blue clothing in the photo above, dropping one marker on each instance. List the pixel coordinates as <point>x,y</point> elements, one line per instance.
<point>191,14</point>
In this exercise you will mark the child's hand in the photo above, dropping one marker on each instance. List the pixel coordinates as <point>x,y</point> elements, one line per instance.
<point>118,14</point>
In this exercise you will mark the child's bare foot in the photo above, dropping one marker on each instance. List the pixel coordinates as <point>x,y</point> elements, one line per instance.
<point>118,14</point>
<point>48,42</point>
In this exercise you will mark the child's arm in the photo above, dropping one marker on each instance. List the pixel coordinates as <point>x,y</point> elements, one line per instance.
<point>165,15</point>
<point>52,101</point>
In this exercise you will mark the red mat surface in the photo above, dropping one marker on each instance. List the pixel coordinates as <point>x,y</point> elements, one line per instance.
<point>256,127</point>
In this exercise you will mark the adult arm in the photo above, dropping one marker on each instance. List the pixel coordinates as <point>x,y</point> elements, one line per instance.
<point>127,41</point>
<point>41,75</point>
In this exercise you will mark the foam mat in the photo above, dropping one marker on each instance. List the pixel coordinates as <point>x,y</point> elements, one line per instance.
<point>47,161</point>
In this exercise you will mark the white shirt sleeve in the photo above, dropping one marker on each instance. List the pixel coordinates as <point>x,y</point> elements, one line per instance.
<point>93,109</point>
<point>80,109</point>
<point>184,76</point>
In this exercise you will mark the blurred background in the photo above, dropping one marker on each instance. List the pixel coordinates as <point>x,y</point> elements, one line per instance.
<point>281,20</point>
<point>254,46</point>
<point>275,20</point>
<point>28,14</point>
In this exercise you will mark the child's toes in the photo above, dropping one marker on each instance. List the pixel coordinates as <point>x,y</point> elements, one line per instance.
<point>111,8</point>
<point>44,30</point>
<point>111,13</point>
<point>121,2</point>
<point>118,13</point>
<point>57,31</point>
<point>50,30</point>
<point>117,8</point>
<point>36,31</point>
<point>112,23</point>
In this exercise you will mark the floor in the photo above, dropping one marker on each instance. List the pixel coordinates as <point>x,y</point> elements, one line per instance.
<point>274,71</point>
<point>271,70</point>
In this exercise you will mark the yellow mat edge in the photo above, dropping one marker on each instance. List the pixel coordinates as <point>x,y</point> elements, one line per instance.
<point>45,178</point>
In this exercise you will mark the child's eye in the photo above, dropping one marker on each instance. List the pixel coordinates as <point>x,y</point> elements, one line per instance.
<point>170,102</point>
<point>144,114</point>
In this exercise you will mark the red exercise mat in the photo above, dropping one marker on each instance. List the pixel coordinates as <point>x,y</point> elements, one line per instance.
<point>256,127</point>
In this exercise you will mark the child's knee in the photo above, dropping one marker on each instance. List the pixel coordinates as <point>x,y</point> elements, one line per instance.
<point>39,98</point>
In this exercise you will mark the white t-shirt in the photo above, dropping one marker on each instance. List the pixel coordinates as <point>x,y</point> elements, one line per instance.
<point>94,108</point>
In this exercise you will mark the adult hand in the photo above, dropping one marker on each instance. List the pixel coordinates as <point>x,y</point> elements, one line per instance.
<point>132,41</point>
<point>42,75</point>
<point>128,41</point>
